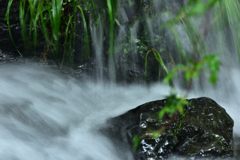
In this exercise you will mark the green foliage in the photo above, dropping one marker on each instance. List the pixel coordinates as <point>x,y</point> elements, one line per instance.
<point>38,13</point>
<point>174,104</point>
<point>158,58</point>
<point>195,38</point>
<point>141,43</point>
<point>43,22</point>
<point>136,141</point>
<point>35,11</point>
<point>181,50</point>
<point>185,14</point>
<point>55,19</point>
<point>196,7</point>
<point>9,30</point>
<point>68,42</point>
<point>233,16</point>
<point>112,11</point>
<point>50,17</point>
<point>213,65</point>
<point>193,8</point>
<point>86,48</point>
<point>23,20</point>
<point>192,69</point>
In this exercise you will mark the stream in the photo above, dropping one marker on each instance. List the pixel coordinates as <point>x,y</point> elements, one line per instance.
<point>47,115</point>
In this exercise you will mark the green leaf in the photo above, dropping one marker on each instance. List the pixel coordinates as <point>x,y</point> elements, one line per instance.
<point>136,141</point>
<point>195,74</point>
<point>8,23</point>
<point>86,54</point>
<point>173,104</point>
<point>156,135</point>
<point>188,76</point>
<point>170,75</point>
<point>117,22</point>
<point>213,65</point>
<point>199,8</point>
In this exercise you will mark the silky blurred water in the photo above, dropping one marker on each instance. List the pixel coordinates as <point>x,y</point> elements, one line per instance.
<point>45,115</point>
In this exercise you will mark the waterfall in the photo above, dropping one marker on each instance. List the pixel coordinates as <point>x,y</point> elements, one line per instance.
<point>97,37</point>
<point>48,115</point>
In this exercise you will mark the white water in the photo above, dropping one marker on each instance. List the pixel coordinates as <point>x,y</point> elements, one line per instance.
<point>44,115</point>
<point>97,37</point>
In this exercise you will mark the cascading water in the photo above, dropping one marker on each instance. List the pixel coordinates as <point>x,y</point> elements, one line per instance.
<point>97,36</point>
<point>46,115</point>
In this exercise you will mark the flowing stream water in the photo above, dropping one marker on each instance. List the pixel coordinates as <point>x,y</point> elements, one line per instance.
<point>45,115</point>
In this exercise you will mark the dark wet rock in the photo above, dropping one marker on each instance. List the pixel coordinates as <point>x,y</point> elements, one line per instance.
<point>236,146</point>
<point>206,130</point>
<point>6,56</point>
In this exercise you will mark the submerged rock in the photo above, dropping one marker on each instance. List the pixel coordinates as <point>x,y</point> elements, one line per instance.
<point>206,130</point>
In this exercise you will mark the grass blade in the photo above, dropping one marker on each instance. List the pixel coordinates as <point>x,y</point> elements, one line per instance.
<point>9,29</point>
<point>86,54</point>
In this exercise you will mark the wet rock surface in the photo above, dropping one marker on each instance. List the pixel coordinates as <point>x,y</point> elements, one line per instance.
<point>206,130</point>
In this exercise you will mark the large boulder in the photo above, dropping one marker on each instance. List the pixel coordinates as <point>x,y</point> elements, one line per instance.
<point>206,130</point>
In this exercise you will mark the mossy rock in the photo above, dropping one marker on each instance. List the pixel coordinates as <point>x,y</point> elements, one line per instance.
<point>206,130</point>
